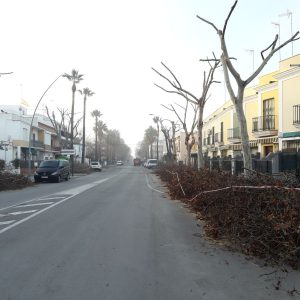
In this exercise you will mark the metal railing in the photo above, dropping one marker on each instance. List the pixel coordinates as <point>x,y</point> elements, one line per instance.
<point>234,133</point>
<point>264,123</point>
<point>296,114</point>
<point>38,144</point>
<point>218,137</point>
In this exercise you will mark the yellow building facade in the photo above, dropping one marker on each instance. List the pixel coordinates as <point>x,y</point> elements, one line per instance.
<point>272,111</point>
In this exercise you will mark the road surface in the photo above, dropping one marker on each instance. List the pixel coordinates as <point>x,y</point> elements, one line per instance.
<point>116,235</point>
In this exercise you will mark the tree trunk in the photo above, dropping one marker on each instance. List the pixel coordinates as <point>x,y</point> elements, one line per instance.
<point>244,132</point>
<point>200,160</point>
<point>83,131</point>
<point>188,149</point>
<point>96,139</point>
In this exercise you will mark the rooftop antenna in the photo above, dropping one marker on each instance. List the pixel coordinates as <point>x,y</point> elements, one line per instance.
<point>252,53</point>
<point>289,14</point>
<point>278,25</point>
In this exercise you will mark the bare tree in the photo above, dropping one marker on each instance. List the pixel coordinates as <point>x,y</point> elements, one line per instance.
<point>208,80</point>
<point>237,98</point>
<point>189,139</point>
<point>169,140</point>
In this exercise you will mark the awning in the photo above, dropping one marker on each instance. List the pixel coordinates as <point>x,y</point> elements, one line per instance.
<point>25,150</point>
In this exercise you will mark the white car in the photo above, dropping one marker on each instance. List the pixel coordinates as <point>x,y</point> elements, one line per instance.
<point>96,166</point>
<point>119,163</point>
<point>151,163</point>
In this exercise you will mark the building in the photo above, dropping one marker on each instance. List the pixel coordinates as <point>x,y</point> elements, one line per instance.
<point>272,111</point>
<point>14,136</point>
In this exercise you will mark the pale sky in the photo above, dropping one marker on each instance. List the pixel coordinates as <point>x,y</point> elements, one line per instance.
<point>115,44</point>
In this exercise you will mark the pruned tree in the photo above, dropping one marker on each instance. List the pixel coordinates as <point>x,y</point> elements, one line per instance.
<point>169,139</point>
<point>189,139</point>
<point>238,96</point>
<point>208,80</point>
<point>58,125</point>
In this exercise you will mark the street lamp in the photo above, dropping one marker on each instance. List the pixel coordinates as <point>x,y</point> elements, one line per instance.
<point>289,14</point>
<point>30,128</point>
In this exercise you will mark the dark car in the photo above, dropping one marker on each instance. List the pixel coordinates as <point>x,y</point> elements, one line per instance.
<point>52,170</point>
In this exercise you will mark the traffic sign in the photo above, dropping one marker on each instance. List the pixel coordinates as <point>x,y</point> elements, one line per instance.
<point>67,151</point>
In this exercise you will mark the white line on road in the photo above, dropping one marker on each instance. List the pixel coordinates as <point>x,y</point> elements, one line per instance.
<point>15,213</point>
<point>51,198</point>
<point>7,222</point>
<point>150,187</point>
<point>76,192</point>
<point>35,204</point>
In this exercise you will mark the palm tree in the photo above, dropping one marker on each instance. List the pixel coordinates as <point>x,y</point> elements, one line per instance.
<point>96,114</point>
<point>102,128</point>
<point>86,92</point>
<point>75,77</point>
<point>149,137</point>
<point>156,120</point>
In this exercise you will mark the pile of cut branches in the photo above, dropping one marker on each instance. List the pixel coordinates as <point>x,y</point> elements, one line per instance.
<point>10,181</point>
<point>259,215</point>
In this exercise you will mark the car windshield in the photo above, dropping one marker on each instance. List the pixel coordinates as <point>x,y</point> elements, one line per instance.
<point>153,161</point>
<point>49,164</point>
<point>94,163</point>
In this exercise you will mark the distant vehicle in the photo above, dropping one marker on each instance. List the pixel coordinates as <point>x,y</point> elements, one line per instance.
<point>95,165</point>
<point>52,170</point>
<point>119,163</point>
<point>137,162</point>
<point>151,163</point>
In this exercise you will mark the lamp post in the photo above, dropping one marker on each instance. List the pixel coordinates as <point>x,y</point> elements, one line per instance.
<point>289,14</point>
<point>30,128</point>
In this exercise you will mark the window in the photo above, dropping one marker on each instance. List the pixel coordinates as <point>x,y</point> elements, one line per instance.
<point>268,114</point>
<point>222,132</point>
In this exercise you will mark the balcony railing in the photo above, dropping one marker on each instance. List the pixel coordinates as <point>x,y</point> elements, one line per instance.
<point>234,133</point>
<point>37,144</point>
<point>296,114</point>
<point>218,137</point>
<point>264,123</point>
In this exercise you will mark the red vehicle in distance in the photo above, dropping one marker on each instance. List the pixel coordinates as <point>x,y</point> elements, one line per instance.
<point>137,162</point>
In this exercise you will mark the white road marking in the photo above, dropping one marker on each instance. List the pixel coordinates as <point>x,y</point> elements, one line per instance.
<point>7,222</point>
<point>15,213</point>
<point>150,187</point>
<point>35,204</point>
<point>51,198</point>
<point>76,192</point>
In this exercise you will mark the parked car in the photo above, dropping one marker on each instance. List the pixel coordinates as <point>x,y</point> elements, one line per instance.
<point>96,165</point>
<point>53,170</point>
<point>151,163</point>
<point>119,163</point>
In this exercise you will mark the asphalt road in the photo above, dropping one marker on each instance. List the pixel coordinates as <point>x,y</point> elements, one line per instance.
<point>117,235</point>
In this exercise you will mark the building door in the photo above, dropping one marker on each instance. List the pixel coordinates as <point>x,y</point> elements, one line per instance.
<point>268,149</point>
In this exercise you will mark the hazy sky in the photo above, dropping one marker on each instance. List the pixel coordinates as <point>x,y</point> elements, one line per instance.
<point>115,44</point>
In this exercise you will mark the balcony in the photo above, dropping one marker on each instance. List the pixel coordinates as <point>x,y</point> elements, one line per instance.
<point>296,115</point>
<point>234,135</point>
<point>264,126</point>
<point>218,138</point>
<point>37,144</point>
